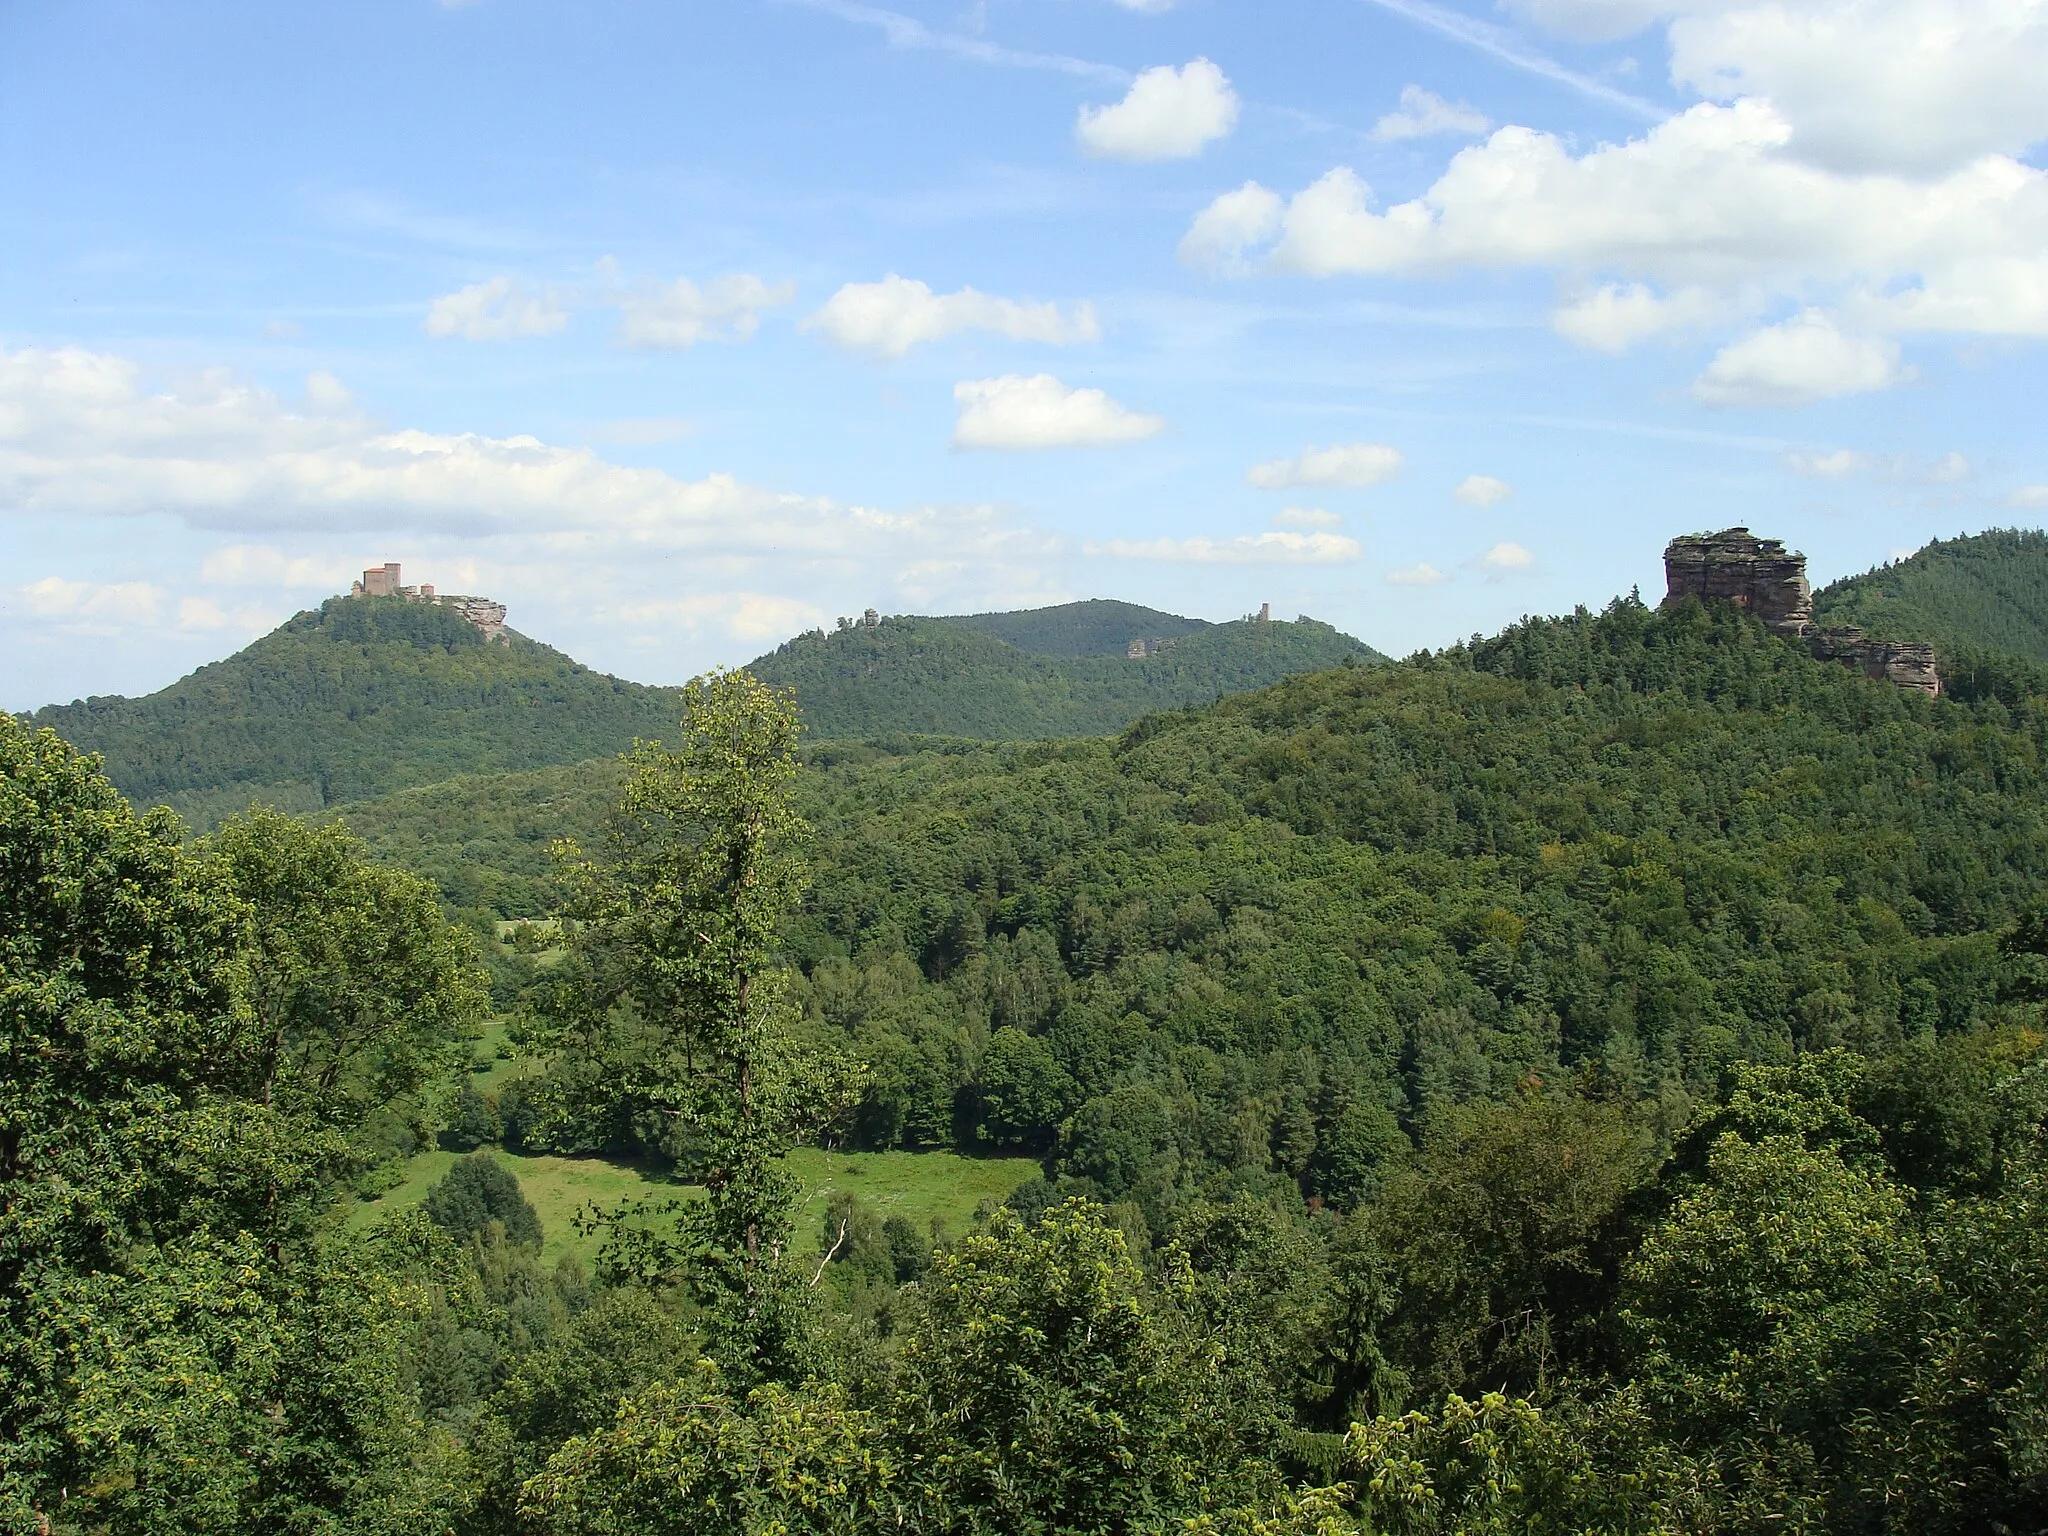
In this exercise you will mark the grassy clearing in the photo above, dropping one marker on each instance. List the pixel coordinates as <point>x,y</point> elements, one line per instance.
<point>925,1187</point>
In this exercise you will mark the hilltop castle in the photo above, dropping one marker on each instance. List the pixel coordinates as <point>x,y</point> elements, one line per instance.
<point>384,581</point>
<point>1759,575</point>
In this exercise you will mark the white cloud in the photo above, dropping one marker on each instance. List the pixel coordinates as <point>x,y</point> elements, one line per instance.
<point>1918,86</point>
<point>205,615</point>
<point>1798,362</point>
<point>1482,491</point>
<point>1709,206</point>
<point>1616,316</point>
<point>1811,464</point>
<point>114,605</point>
<point>681,314</point>
<point>2031,496</point>
<point>264,565</point>
<point>1339,464</point>
<point>1305,517</point>
<point>888,318</point>
<point>1168,114</point>
<point>1038,411</point>
<point>1951,468</point>
<point>1424,113</point>
<point>1422,575</point>
<point>81,435</point>
<point>495,310</point>
<point>1270,548</point>
<point>1507,557</point>
<point>1230,226</point>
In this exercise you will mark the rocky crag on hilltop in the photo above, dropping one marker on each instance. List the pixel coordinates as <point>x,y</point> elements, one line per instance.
<point>1768,580</point>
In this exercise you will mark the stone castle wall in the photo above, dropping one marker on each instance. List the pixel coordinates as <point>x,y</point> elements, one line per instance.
<point>1761,576</point>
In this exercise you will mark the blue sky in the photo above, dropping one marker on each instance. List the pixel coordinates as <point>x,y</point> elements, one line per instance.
<point>681,327</point>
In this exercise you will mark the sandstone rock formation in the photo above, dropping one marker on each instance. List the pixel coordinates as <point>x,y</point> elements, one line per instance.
<point>1760,575</point>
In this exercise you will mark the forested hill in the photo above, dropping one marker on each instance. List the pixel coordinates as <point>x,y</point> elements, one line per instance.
<point>1985,591</point>
<point>365,696</point>
<point>1049,672</point>
<point>1098,627</point>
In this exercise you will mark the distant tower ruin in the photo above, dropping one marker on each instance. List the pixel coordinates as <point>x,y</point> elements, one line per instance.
<point>1763,578</point>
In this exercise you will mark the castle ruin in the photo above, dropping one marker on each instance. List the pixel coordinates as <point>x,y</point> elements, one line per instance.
<point>1763,578</point>
<point>384,581</point>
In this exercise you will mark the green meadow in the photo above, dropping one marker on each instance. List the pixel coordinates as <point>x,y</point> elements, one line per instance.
<point>927,1188</point>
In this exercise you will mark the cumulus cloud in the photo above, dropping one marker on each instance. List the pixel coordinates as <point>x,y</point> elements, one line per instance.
<point>81,434</point>
<point>1798,362</point>
<point>265,565</point>
<point>1168,114</point>
<point>1615,316</point>
<point>1038,411</point>
<point>1305,517</point>
<point>888,318</point>
<point>1505,558</point>
<point>1482,491</point>
<point>1706,216</point>
<point>1339,464</point>
<point>1916,86</point>
<point>681,314</point>
<point>1424,113</point>
<point>496,309</point>
<point>1420,575</point>
<point>2031,496</point>
<point>1951,468</point>
<point>1835,464</point>
<point>98,605</point>
<point>1225,231</point>
<point>1273,547</point>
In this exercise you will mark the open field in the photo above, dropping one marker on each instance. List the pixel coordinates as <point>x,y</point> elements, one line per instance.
<point>925,1187</point>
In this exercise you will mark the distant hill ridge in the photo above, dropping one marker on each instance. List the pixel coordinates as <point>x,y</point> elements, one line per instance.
<point>1067,672</point>
<point>1983,591</point>
<point>372,694</point>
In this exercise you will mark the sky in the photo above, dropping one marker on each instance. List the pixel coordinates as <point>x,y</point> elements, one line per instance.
<point>682,327</point>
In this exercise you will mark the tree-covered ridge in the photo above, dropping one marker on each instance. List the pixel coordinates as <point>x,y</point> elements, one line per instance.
<point>364,696</point>
<point>1985,591</point>
<point>1096,627</point>
<point>1328,1255</point>
<point>945,677</point>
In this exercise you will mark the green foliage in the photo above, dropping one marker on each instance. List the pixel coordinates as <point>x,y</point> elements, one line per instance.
<point>477,1191</point>
<point>1045,1388</point>
<point>688,1459</point>
<point>361,994</point>
<point>185,1344</point>
<point>1037,674</point>
<point>366,696</point>
<point>1982,592</point>
<point>682,923</point>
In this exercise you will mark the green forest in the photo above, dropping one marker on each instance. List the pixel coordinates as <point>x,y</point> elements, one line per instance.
<point>1588,1079</point>
<point>369,695</point>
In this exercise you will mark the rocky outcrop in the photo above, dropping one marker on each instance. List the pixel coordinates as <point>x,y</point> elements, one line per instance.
<point>1908,663</point>
<point>1737,567</point>
<point>1763,577</point>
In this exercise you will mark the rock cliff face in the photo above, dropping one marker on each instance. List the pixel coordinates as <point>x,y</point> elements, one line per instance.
<point>1761,576</point>
<point>1736,567</point>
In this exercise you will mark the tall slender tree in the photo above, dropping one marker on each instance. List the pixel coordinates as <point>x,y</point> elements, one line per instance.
<point>703,862</point>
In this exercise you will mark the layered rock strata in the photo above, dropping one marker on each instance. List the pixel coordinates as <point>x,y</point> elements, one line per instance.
<point>1764,578</point>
